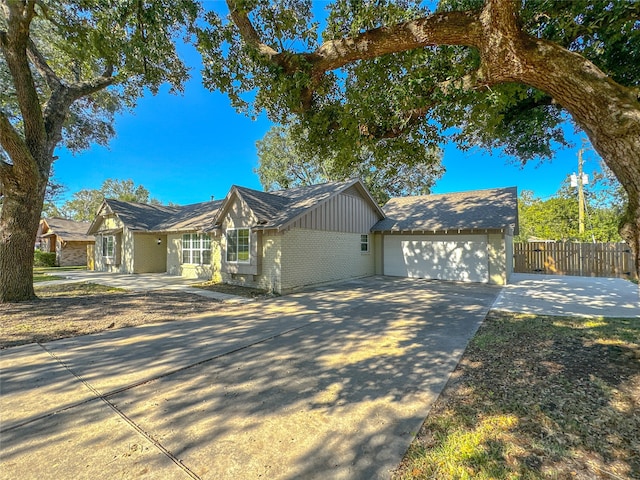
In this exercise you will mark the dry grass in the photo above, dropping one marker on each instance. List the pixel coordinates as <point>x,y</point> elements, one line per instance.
<point>81,308</point>
<point>537,397</point>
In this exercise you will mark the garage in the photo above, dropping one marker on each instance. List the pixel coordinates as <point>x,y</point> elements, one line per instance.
<point>461,258</point>
<point>461,237</point>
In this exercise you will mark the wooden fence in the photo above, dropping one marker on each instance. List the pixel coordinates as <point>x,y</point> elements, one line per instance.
<point>582,259</point>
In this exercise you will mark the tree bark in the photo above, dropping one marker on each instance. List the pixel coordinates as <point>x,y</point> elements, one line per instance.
<point>19,221</point>
<point>24,180</point>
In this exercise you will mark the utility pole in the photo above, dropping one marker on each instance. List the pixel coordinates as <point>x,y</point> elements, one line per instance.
<point>580,194</point>
<point>580,181</point>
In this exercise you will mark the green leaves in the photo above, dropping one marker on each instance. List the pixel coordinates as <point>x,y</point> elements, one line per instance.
<point>403,100</point>
<point>288,157</point>
<point>82,40</point>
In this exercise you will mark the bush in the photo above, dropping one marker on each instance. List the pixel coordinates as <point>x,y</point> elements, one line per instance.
<point>44,259</point>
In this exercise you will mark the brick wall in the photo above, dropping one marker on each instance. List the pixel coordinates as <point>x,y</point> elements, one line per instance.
<point>311,256</point>
<point>270,267</point>
<point>73,253</point>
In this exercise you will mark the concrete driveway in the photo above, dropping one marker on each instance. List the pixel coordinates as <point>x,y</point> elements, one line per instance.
<point>566,295</point>
<point>331,383</point>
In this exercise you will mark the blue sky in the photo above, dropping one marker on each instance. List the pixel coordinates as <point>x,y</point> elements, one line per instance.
<point>186,149</point>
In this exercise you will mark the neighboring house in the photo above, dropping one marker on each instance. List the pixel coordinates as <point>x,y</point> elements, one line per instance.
<point>466,236</point>
<point>283,240</point>
<point>68,239</point>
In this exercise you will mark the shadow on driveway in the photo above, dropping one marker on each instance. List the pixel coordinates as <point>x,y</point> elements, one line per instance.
<point>331,383</point>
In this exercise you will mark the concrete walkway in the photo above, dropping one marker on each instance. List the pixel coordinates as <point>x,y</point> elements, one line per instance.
<point>332,383</point>
<point>574,296</point>
<point>142,282</point>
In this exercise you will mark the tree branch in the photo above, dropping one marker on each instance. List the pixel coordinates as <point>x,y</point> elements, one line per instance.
<point>14,48</point>
<point>82,89</point>
<point>247,31</point>
<point>450,28</point>
<point>42,66</point>
<point>13,143</point>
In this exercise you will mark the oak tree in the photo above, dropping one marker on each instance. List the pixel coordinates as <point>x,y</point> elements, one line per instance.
<point>66,68</point>
<point>287,159</point>
<point>492,73</point>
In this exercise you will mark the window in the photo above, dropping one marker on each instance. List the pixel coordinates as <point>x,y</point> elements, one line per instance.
<point>108,246</point>
<point>364,243</point>
<point>238,245</point>
<point>196,248</point>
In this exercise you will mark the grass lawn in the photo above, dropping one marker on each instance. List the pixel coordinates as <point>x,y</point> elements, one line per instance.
<point>45,274</point>
<point>81,289</point>
<point>537,397</point>
<point>45,277</point>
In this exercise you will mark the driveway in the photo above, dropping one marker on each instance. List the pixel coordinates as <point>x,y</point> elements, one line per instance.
<point>566,295</point>
<point>330,383</point>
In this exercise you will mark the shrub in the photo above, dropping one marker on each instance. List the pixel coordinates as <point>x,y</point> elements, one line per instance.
<point>44,259</point>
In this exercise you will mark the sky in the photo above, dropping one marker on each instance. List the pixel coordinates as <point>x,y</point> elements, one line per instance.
<point>189,148</point>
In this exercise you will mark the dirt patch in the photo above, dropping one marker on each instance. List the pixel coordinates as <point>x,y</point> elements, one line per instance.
<point>234,290</point>
<point>80,309</point>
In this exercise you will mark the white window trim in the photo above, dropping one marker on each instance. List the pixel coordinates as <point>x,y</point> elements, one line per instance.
<point>201,237</point>
<point>113,246</point>
<point>237,260</point>
<point>367,243</point>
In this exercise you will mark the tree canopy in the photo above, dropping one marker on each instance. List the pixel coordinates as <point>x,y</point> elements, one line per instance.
<point>85,203</point>
<point>66,68</point>
<point>397,76</point>
<point>556,218</point>
<point>287,160</point>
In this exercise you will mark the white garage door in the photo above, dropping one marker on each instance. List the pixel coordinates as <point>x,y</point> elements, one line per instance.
<point>443,257</point>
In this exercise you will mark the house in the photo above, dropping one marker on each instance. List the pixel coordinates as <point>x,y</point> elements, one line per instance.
<point>140,238</point>
<point>466,236</point>
<point>291,238</point>
<point>66,238</point>
<point>283,240</point>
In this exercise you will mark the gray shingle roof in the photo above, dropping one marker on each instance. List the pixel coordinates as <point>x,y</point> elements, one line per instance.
<point>68,230</point>
<point>140,216</point>
<point>197,216</point>
<point>495,208</point>
<point>278,208</point>
<point>162,218</point>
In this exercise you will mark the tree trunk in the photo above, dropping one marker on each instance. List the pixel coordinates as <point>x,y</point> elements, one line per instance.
<point>607,112</point>
<point>19,220</point>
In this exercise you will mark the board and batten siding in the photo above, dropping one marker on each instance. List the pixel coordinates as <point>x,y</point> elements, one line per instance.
<point>346,212</point>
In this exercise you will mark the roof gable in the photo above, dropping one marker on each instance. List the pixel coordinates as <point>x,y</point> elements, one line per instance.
<point>136,216</point>
<point>276,210</point>
<point>490,209</point>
